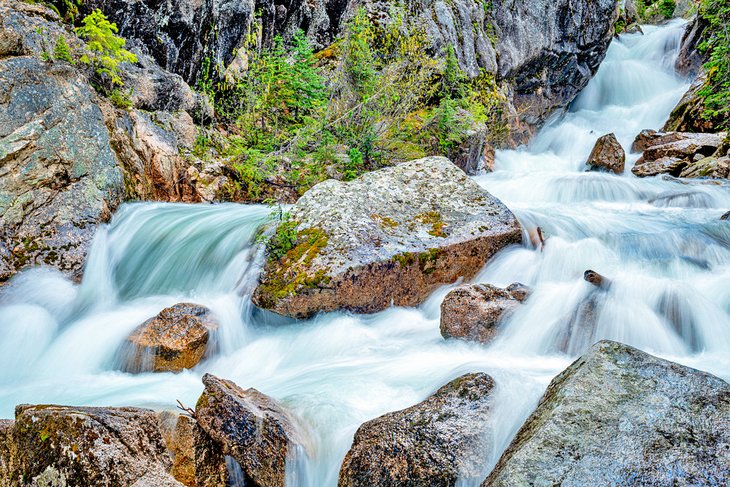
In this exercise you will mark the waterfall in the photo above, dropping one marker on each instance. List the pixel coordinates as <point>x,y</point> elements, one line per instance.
<point>660,242</point>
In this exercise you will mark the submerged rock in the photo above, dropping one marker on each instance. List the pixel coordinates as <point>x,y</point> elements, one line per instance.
<point>607,155</point>
<point>432,443</point>
<point>474,311</point>
<point>89,446</point>
<point>726,216</point>
<point>248,426</point>
<point>176,339</point>
<point>620,416</point>
<point>387,238</point>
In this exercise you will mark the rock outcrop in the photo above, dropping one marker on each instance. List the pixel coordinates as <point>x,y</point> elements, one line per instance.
<point>387,238</point>
<point>607,155</point>
<point>620,416</point>
<point>176,339</point>
<point>433,443</point>
<point>59,176</point>
<point>63,445</point>
<point>250,427</point>
<point>672,152</point>
<point>473,311</point>
<point>7,451</point>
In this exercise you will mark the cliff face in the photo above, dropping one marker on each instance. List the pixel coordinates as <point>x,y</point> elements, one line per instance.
<point>544,52</point>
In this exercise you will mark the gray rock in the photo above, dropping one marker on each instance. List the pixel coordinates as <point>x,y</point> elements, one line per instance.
<point>387,238</point>
<point>433,443</point>
<point>88,446</point>
<point>708,167</point>
<point>664,165</point>
<point>607,155</point>
<point>679,153</point>
<point>252,428</point>
<point>59,175</point>
<point>473,311</point>
<point>726,216</point>
<point>618,416</point>
<point>689,114</point>
<point>690,60</point>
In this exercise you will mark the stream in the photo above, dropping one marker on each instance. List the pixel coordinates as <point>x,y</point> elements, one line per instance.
<point>659,241</point>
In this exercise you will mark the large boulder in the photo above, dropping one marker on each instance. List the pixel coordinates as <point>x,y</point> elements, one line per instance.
<point>252,428</point>
<point>65,445</point>
<point>690,114</point>
<point>59,176</point>
<point>176,339</point>
<point>387,238</point>
<point>432,443</point>
<point>473,311</point>
<point>607,155</point>
<point>618,416</point>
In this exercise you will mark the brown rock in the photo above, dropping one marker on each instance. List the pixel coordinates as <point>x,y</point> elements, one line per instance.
<point>607,155</point>
<point>432,443</point>
<point>7,451</point>
<point>473,311</point>
<point>648,138</point>
<point>89,446</point>
<point>252,428</point>
<point>686,147</point>
<point>178,433</point>
<point>665,165</point>
<point>176,339</point>
<point>595,278</point>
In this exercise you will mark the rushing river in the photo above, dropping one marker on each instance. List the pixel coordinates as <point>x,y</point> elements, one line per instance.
<point>659,241</point>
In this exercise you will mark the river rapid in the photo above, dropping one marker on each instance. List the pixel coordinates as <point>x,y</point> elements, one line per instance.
<point>659,241</point>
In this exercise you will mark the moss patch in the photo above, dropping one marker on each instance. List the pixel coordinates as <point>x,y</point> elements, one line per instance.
<point>435,221</point>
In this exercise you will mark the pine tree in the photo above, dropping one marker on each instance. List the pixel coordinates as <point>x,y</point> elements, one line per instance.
<point>105,50</point>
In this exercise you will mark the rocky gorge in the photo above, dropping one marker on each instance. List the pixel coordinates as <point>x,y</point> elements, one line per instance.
<point>424,301</point>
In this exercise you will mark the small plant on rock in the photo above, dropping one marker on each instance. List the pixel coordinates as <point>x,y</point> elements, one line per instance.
<point>104,49</point>
<point>61,51</point>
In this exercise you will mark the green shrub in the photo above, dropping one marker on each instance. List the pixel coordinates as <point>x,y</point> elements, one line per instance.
<point>667,7</point>
<point>716,92</point>
<point>61,51</point>
<point>104,49</point>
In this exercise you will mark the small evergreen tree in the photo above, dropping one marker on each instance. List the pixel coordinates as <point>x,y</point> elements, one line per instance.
<point>61,51</point>
<point>359,62</point>
<point>105,50</point>
<point>453,79</point>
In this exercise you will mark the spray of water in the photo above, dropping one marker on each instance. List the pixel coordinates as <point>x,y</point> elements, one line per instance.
<point>659,242</point>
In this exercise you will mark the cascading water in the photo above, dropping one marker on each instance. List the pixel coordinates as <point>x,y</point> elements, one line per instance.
<point>660,242</point>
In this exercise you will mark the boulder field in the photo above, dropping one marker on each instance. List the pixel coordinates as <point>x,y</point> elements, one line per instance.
<point>387,238</point>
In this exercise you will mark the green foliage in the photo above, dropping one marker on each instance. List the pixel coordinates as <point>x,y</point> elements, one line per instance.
<point>359,61</point>
<point>61,51</point>
<point>453,79</point>
<point>716,92</point>
<point>666,8</point>
<point>284,238</point>
<point>105,50</point>
<point>120,99</point>
<point>66,9</point>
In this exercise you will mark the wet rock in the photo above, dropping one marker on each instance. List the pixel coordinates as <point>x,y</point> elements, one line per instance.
<point>596,279</point>
<point>690,59</point>
<point>708,167</point>
<point>607,155</point>
<point>89,446</point>
<point>665,165</point>
<point>387,238</point>
<point>250,427</point>
<point>176,339</point>
<point>620,416</point>
<point>432,443</point>
<point>673,152</point>
<point>473,311</point>
<point>178,433</point>
<point>634,28</point>
<point>59,176</point>
<point>726,216</point>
